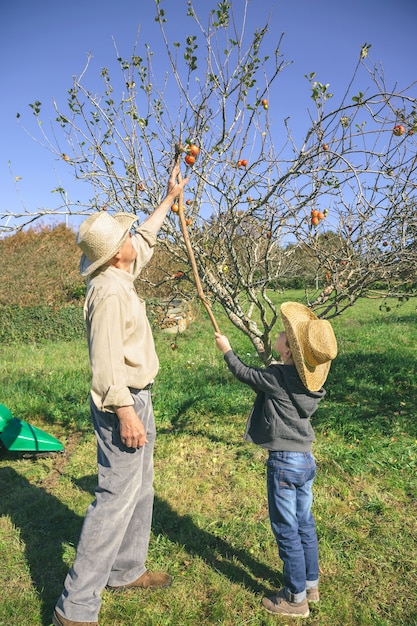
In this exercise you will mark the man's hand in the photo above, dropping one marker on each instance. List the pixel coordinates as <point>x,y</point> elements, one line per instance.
<point>174,187</point>
<point>132,431</point>
<point>222,342</point>
<point>155,220</point>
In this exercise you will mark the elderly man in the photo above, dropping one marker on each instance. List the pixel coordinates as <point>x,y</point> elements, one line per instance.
<point>113,546</point>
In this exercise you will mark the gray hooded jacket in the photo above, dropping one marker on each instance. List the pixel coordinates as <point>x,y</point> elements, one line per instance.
<point>280,416</point>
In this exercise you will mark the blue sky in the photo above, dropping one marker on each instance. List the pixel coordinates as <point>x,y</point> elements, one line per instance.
<point>44,43</point>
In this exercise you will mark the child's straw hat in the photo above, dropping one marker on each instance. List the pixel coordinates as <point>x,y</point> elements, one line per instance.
<point>312,342</point>
<point>100,237</point>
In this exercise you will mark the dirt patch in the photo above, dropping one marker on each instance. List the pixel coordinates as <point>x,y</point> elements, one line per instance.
<point>60,461</point>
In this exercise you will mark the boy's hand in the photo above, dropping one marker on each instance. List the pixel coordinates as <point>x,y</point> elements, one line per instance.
<point>222,343</point>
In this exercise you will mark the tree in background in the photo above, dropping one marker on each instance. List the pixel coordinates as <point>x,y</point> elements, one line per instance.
<point>335,209</point>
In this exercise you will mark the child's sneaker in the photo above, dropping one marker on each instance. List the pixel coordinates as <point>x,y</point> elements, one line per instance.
<point>313,595</point>
<point>279,605</point>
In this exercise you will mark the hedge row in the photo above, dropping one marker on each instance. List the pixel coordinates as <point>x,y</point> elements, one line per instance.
<point>40,323</point>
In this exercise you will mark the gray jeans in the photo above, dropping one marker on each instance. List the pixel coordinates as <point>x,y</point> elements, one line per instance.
<point>114,539</point>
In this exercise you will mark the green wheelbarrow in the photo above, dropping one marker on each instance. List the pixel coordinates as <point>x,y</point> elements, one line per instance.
<point>17,435</point>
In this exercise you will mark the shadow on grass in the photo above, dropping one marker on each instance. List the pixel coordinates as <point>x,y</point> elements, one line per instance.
<point>370,393</point>
<point>45,525</point>
<point>235,564</point>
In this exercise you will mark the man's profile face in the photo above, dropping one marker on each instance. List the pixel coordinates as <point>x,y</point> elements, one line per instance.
<point>127,253</point>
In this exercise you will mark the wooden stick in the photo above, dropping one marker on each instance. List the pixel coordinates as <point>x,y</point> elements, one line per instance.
<point>191,253</point>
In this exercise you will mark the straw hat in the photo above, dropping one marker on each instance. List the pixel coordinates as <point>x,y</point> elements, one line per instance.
<point>312,342</point>
<point>100,237</point>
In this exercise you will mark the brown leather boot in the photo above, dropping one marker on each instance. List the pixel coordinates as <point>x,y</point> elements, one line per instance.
<point>59,620</point>
<point>148,580</point>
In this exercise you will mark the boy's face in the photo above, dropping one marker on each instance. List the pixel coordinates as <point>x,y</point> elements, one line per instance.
<point>281,346</point>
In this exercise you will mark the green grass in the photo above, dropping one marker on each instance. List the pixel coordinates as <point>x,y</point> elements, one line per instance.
<point>211,529</point>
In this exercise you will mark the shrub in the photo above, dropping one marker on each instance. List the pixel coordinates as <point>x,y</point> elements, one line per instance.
<point>40,323</point>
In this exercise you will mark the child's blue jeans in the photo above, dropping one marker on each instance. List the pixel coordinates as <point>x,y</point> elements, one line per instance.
<point>290,477</point>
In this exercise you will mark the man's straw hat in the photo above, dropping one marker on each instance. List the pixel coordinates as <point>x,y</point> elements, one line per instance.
<point>100,237</point>
<point>312,342</point>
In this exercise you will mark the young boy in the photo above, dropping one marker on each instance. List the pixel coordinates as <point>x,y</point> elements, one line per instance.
<point>287,395</point>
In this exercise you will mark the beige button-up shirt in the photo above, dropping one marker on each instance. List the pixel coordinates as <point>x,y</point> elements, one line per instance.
<point>121,346</point>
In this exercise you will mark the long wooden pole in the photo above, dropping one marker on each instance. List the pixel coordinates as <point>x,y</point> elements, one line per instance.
<point>190,252</point>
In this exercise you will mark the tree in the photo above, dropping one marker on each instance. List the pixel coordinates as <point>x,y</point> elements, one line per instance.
<point>261,208</point>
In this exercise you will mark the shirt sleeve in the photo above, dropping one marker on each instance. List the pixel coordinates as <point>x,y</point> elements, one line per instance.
<point>259,379</point>
<point>143,241</point>
<point>109,384</point>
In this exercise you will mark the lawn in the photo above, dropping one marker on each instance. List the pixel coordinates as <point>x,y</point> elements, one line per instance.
<point>211,529</point>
